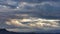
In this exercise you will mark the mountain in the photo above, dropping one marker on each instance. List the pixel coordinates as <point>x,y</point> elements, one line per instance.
<point>4,31</point>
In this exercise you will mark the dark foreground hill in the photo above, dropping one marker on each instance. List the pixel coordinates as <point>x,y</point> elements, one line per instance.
<point>3,31</point>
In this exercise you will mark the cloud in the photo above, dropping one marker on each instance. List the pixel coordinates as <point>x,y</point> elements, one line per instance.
<point>34,24</point>
<point>31,22</point>
<point>21,30</point>
<point>29,6</point>
<point>26,16</point>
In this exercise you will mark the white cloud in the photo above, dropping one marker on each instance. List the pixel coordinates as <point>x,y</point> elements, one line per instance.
<point>34,24</point>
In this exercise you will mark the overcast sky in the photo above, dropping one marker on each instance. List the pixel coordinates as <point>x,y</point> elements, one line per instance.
<point>30,15</point>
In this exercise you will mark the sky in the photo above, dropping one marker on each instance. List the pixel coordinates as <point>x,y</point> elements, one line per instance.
<point>30,15</point>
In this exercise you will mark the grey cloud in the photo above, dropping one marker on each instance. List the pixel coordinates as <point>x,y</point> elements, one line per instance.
<point>27,15</point>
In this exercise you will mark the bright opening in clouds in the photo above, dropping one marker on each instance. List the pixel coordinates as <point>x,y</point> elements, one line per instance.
<point>30,15</point>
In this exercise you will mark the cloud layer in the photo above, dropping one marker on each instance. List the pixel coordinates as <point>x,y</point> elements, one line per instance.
<point>29,16</point>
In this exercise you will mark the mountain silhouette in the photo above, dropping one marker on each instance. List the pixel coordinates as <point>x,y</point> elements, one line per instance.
<point>4,31</point>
